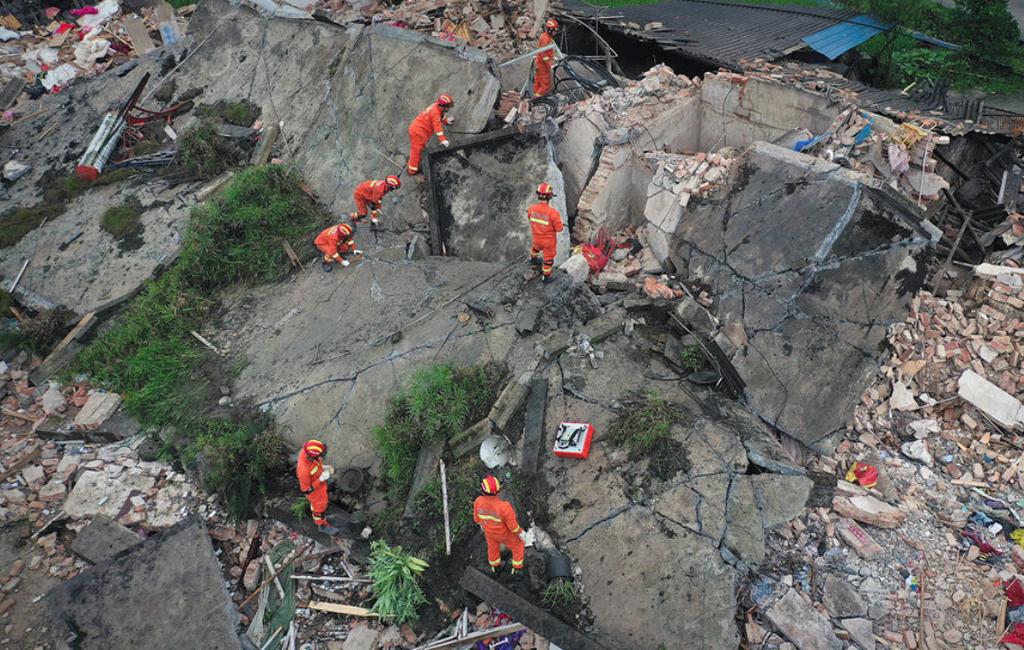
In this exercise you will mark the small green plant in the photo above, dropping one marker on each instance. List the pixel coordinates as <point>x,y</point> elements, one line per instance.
<point>120,220</point>
<point>559,593</point>
<point>692,358</point>
<point>643,423</point>
<point>299,508</point>
<point>242,113</point>
<point>395,576</point>
<point>238,458</point>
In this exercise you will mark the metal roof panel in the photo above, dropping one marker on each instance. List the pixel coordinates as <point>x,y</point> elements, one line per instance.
<point>833,41</point>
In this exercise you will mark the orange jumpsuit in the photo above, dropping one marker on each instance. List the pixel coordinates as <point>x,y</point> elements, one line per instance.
<point>545,222</point>
<point>335,241</point>
<point>368,196</point>
<point>542,83</point>
<point>428,123</point>
<point>308,471</point>
<point>498,519</point>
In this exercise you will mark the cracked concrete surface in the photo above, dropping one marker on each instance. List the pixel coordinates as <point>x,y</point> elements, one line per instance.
<point>679,545</point>
<point>814,265</point>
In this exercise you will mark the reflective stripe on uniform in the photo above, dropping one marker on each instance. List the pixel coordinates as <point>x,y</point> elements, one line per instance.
<point>517,565</point>
<point>439,134</point>
<point>495,562</point>
<point>489,517</point>
<point>542,222</point>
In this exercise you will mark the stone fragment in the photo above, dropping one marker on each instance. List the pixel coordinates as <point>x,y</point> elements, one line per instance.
<point>52,491</point>
<point>98,493</point>
<point>53,400</point>
<point>577,268</point>
<point>361,637</point>
<point>902,399</point>
<point>97,409</point>
<point>999,405</point>
<point>252,575</point>
<point>869,510</point>
<point>801,623</point>
<point>103,539</point>
<point>744,533</point>
<point>33,474</point>
<point>781,498</point>
<point>841,599</point>
<point>861,631</point>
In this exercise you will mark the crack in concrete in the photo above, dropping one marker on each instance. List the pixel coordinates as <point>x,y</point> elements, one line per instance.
<point>603,520</point>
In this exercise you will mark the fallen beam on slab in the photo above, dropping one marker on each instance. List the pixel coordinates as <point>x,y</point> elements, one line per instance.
<point>533,617</point>
<point>533,433</point>
<point>430,453</point>
<point>64,352</point>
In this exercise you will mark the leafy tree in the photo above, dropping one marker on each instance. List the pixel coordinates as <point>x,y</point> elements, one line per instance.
<point>986,31</point>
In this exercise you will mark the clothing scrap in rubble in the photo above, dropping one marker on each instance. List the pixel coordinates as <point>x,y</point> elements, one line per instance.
<point>505,642</point>
<point>1015,612</point>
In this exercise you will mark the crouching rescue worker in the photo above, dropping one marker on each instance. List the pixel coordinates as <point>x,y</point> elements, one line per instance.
<point>427,124</point>
<point>545,224</point>
<point>335,243</point>
<point>369,195</point>
<point>497,518</point>
<point>542,78</point>
<point>313,476</point>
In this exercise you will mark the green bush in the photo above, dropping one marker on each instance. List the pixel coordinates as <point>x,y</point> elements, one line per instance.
<point>558,593</point>
<point>205,153</point>
<point>439,402</point>
<point>242,113</point>
<point>693,359</point>
<point>463,487</point>
<point>395,574</point>
<point>149,355</point>
<point>643,423</point>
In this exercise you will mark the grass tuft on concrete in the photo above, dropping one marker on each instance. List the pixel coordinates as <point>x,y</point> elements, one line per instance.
<point>559,593</point>
<point>120,220</point>
<point>644,427</point>
<point>15,223</point>
<point>205,153</point>
<point>241,113</point>
<point>150,357</point>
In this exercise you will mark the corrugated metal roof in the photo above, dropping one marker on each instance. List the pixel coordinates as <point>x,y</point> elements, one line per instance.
<point>833,41</point>
<point>721,33</point>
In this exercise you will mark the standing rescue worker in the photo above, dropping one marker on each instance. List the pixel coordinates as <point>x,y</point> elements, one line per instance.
<point>545,224</point>
<point>542,81</point>
<point>369,195</point>
<point>335,242</point>
<point>313,476</point>
<point>426,125</point>
<point>497,518</point>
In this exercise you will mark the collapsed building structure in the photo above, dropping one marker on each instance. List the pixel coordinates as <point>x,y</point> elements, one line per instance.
<point>794,266</point>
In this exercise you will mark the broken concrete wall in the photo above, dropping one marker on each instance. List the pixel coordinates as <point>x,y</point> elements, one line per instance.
<point>483,192</point>
<point>736,111</point>
<point>343,94</point>
<point>616,194</point>
<point>813,263</point>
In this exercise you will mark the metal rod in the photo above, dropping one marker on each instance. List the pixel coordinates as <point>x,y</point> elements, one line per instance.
<point>528,55</point>
<point>447,526</point>
<point>17,279</point>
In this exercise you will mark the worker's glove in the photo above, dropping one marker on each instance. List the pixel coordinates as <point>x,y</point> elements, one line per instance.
<point>325,476</point>
<point>522,535</point>
<point>357,252</point>
<point>449,120</point>
<point>375,221</point>
<point>345,263</point>
<point>446,144</point>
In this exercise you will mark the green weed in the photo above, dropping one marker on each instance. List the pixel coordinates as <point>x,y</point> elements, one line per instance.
<point>692,358</point>
<point>395,576</point>
<point>242,113</point>
<point>120,220</point>
<point>238,458</point>
<point>205,153</point>
<point>300,508</point>
<point>463,487</point>
<point>643,423</point>
<point>559,593</point>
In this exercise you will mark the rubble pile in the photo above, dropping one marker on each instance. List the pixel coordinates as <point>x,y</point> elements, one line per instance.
<point>623,114</point>
<point>502,31</point>
<point>83,42</point>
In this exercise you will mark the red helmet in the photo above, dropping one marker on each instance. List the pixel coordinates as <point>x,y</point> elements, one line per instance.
<point>445,101</point>
<point>344,231</point>
<point>490,485</point>
<point>314,449</point>
<point>545,191</point>
<point>551,25</point>
<point>393,182</point>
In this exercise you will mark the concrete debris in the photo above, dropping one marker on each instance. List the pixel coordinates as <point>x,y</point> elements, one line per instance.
<point>100,406</point>
<point>841,598</point>
<point>13,170</point>
<point>103,539</point>
<point>992,400</point>
<point>861,632</point>
<point>869,510</point>
<point>802,624</point>
<point>577,268</point>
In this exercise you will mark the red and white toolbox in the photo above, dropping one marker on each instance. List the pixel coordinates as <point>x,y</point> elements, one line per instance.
<point>572,440</point>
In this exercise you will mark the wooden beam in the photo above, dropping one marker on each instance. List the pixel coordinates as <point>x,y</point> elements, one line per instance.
<point>525,612</point>
<point>21,462</point>
<point>338,608</point>
<point>63,352</point>
<point>533,431</point>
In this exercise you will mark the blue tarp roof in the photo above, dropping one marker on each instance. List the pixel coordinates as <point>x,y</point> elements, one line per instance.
<point>845,36</point>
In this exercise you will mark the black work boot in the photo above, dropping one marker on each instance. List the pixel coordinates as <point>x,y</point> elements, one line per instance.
<point>535,261</point>
<point>327,266</point>
<point>548,279</point>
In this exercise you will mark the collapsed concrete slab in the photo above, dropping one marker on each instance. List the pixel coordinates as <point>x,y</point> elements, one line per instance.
<point>481,189</point>
<point>813,262</point>
<point>166,592</point>
<point>679,539</point>
<point>103,539</point>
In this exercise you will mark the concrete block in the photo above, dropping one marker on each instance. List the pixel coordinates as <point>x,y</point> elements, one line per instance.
<point>103,539</point>
<point>577,268</point>
<point>508,403</point>
<point>999,405</point>
<point>97,409</point>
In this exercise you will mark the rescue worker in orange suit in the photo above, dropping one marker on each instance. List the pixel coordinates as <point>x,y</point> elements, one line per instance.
<point>369,195</point>
<point>497,518</point>
<point>335,242</point>
<point>542,78</point>
<point>427,124</point>
<point>313,476</point>
<point>545,224</point>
